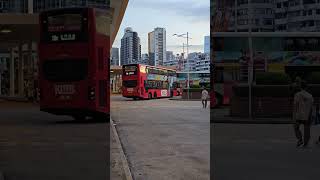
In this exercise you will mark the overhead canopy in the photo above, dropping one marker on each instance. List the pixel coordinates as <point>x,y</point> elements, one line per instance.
<point>18,27</point>
<point>119,7</point>
<point>25,27</point>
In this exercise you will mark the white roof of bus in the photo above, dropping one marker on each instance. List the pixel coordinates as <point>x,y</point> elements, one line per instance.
<point>192,72</point>
<point>155,67</point>
<point>265,34</point>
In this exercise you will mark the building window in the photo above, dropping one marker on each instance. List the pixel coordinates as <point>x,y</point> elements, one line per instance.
<point>309,1</point>
<point>318,11</point>
<point>278,5</point>
<point>260,11</point>
<point>311,23</point>
<point>243,22</point>
<point>257,22</point>
<point>267,22</point>
<point>240,2</point>
<point>304,12</point>
<point>294,14</point>
<point>269,11</point>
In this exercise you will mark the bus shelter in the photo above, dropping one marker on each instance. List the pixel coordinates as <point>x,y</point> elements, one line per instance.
<point>116,79</point>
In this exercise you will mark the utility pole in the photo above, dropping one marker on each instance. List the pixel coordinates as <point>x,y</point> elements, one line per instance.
<point>250,63</point>
<point>188,86</point>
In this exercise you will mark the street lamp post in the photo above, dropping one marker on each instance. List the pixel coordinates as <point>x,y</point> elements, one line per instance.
<point>188,65</point>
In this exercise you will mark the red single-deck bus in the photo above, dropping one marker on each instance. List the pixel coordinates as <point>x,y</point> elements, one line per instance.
<point>74,62</point>
<point>148,82</point>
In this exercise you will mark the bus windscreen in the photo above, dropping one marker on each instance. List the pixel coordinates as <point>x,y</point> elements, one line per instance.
<point>65,22</point>
<point>130,70</point>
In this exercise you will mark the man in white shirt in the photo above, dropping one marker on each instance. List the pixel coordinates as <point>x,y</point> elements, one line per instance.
<point>204,97</point>
<point>303,102</point>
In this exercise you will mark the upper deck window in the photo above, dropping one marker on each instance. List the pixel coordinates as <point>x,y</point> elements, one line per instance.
<point>65,22</point>
<point>130,70</point>
<point>67,25</point>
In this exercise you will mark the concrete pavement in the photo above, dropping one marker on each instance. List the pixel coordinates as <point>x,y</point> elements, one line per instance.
<point>222,115</point>
<point>37,146</point>
<point>261,151</point>
<point>164,139</point>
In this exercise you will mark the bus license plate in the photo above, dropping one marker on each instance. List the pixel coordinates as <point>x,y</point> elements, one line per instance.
<point>64,89</point>
<point>129,89</point>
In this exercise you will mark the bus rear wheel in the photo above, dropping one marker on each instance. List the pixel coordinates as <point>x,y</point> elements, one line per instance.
<point>155,95</point>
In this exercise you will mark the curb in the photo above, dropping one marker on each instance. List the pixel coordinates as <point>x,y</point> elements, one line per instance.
<point>185,99</point>
<point>257,121</point>
<point>124,160</point>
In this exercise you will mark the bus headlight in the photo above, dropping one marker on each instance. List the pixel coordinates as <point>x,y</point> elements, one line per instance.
<point>92,93</point>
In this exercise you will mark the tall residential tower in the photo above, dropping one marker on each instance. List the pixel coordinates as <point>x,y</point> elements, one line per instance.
<point>157,46</point>
<point>130,47</point>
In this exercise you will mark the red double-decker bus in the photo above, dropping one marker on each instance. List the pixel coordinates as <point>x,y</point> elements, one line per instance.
<point>74,67</point>
<point>149,82</point>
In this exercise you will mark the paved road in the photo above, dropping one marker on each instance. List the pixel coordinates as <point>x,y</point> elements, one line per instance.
<point>164,139</point>
<point>38,146</point>
<point>264,152</point>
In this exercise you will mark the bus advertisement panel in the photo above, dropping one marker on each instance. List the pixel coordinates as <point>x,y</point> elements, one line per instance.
<point>148,82</point>
<point>199,78</point>
<point>73,62</point>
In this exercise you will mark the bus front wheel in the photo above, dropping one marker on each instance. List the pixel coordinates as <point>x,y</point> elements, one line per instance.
<point>149,96</point>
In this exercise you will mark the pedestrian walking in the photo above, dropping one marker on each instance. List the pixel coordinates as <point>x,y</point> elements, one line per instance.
<point>302,111</point>
<point>204,97</point>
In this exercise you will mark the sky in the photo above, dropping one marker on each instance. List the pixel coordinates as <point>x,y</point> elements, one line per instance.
<point>176,16</point>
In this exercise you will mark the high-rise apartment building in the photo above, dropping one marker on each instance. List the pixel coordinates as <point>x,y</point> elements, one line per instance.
<point>202,62</point>
<point>130,47</point>
<point>157,46</point>
<point>206,44</point>
<point>235,14</point>
<point>114,58</point>
<point>268,15</point>
<point>144,59</point>
<point>297,15</point>
<point>169,56</point>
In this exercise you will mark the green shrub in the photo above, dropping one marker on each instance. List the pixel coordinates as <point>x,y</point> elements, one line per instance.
<point>272,78</point>
<point>313,78</point>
